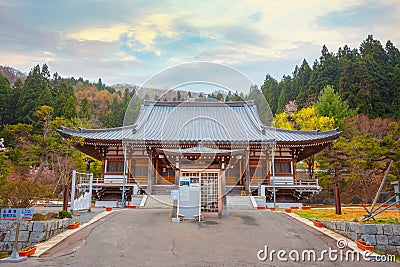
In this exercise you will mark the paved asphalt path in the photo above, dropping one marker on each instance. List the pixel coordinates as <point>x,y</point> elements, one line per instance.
<point>146,237</point>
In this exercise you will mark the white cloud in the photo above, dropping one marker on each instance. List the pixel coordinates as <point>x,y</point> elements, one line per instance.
<point>158,35</point>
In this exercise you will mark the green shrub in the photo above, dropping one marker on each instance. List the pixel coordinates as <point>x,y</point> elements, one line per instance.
<point>64,214</point>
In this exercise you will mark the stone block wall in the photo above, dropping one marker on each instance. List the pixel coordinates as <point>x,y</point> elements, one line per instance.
<point>30,232</point>
<point>385,237</point>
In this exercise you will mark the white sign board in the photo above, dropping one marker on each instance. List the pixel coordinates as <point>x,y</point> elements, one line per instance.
<point>24,214</point>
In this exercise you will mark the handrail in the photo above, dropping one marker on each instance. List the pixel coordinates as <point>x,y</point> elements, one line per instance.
<point>85,180</point>
<point>308,182</point>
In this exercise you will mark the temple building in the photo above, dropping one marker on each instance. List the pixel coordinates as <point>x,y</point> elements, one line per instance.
<point>222,147</point>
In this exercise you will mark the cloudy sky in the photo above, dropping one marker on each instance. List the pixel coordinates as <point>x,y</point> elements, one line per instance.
<point>129,41</point>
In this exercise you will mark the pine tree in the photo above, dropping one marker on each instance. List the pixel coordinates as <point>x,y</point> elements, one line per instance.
<point>5,97</point>
<point>301,78</point>
<point>270,90</point>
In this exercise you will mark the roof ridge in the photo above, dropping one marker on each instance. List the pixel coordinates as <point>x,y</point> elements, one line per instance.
<point>198,104</point>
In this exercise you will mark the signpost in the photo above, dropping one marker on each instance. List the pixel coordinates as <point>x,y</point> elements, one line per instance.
<point>16,214</point>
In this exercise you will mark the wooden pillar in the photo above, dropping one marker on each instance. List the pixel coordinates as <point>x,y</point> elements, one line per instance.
<point>156,172</point>
<point>294,171</point>
<point>103,168</point>
<point>150,180</point>
<point>294,156</point>
<point>247,180</point>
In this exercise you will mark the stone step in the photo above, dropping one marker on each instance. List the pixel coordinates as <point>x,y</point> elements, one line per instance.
<point>162,189</point>
<point>158,202</point>
<point>239,203</point>
<point>136,200</point>
<point>260,201</point>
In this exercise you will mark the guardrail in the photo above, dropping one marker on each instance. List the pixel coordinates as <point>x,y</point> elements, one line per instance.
<point>302,182</point>
<point>85,180</point>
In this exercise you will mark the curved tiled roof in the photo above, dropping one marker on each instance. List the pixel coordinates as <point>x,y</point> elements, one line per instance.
<point>200,121</point>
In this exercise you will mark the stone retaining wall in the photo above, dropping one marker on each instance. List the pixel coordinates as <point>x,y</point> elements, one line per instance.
<point>30,232</point>
<point>385,237</point>
<point>34,232</point>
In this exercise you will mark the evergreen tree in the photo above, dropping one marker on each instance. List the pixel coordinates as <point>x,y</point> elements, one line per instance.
<point>28,102</point>
<point>330,104</point>
<point>285,87</point>
<point>64,99</point>
<point>100,85</point>
<point>5,97</point>
<point>373,96</point>
<point>16,93</point>
<point>325,72</point>
<point>301,78</point>
<point>270,90</point>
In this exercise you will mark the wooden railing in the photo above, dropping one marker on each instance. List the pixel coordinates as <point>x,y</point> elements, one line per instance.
<point>308,182</point>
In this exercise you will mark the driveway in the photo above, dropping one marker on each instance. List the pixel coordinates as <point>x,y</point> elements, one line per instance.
<point>146,237</point>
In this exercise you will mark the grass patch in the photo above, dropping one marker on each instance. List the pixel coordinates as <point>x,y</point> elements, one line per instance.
<point>350,214</point>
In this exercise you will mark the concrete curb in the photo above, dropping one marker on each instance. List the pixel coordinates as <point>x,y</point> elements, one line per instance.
<point>48,244</point>
<point>143,202</point>
<point>253,202</point>
<point>349,243</point>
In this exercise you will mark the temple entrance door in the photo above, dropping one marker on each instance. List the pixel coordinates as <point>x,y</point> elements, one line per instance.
<point>209,192</point>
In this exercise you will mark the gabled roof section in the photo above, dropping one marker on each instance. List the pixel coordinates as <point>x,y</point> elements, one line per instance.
<point>194,121</point>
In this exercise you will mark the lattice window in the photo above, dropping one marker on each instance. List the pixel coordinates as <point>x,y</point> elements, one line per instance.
<point>209,192</point>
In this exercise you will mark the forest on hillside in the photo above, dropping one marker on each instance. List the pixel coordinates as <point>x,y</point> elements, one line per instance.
<point>367,78</point>
<point>356,90</point>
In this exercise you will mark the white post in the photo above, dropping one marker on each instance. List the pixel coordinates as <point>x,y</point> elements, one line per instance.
<point>73,190</point>
<point>90,190</point>
<point>262,188</point>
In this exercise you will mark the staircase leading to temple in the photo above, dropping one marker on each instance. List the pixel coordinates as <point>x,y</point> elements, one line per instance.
<point>162,189</point>
<point>112,193</point>
<point>136,200</point>
<point>158,202</point>
<point>239,203</point>
<point>234,190</point>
